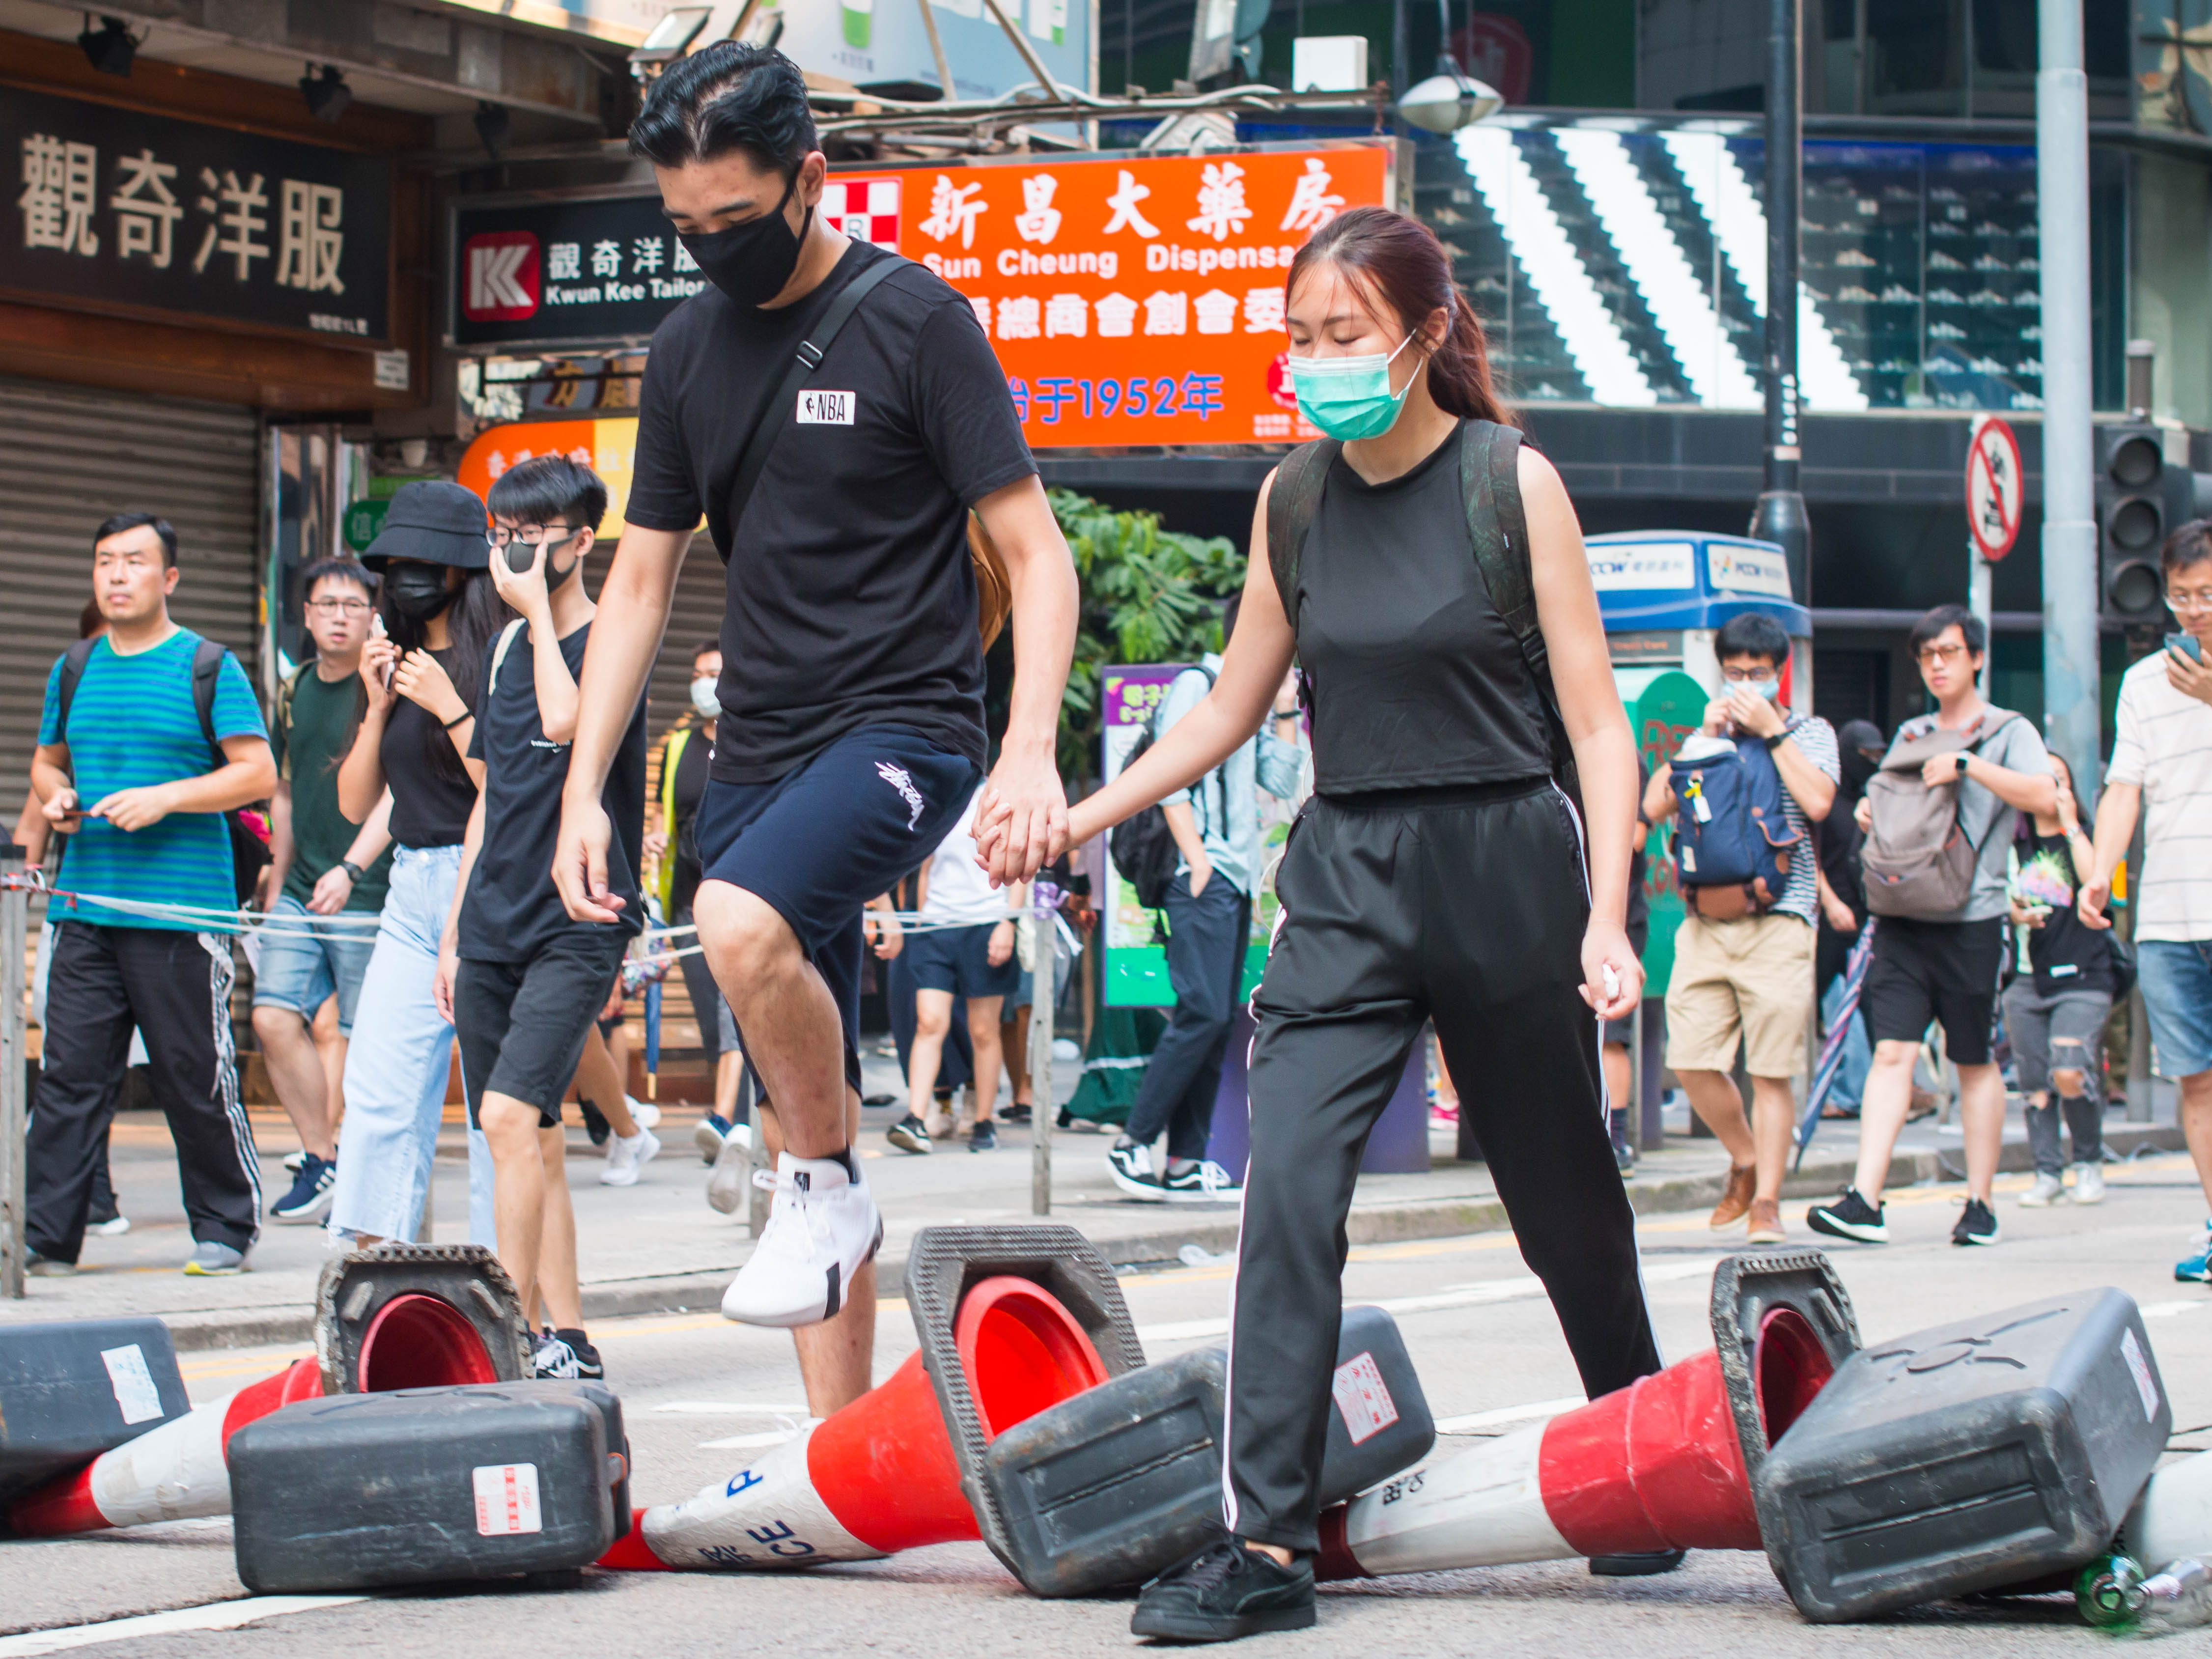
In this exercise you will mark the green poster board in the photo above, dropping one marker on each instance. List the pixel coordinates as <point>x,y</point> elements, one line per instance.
<point>1664,706</point>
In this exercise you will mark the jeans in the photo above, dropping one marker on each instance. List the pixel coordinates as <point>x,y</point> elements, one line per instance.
<point>398,1065</point>
<point>2059,1031</point>
<point>2176,977</point>
<point>1206,938</point>
<point>1850,1085</point>
<point>302,974</point>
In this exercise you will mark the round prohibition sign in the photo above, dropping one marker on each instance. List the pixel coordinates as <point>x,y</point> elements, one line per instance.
<point>1997,488</point>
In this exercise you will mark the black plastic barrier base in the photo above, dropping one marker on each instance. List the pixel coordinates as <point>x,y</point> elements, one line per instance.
<point>70,1389</point>
<point>1965,1458</point>
<point>429,1486</point>
<point>1793,1300</point>
<point>417,1315</point>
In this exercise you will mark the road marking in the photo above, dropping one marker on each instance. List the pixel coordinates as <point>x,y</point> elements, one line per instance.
<point>2168,1309</point>
<point>221,1615</point>
<point>745,1442</point>
<point>1478,1421</point>
<point>729,1408</point>
<point>1462,1296</point>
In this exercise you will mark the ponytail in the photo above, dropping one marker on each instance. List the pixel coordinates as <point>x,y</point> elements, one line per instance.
<point>1396,261</point>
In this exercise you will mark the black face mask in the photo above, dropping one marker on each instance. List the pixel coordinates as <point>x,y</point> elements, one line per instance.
<point>417,592</point>
<point>751,262</point>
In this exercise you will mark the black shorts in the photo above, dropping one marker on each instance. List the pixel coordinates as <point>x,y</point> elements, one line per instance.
<point>958,960</point>
<point>1945,971</point>
<point>522,1024</point>
<point>819,842</point>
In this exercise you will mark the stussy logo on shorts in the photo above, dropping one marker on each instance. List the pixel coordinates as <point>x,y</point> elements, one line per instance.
<point>902,780</point>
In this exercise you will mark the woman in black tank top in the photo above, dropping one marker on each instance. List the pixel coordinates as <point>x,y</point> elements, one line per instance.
<point>1439,873</point>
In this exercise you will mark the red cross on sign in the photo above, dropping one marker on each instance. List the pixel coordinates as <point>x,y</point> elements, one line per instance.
<point>1996,488</point>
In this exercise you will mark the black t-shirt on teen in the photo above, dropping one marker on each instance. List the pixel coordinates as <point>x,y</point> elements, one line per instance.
<point>512,909</point>
<point>850,602</point>
<point>2064,955</point>
<point>430,801</point>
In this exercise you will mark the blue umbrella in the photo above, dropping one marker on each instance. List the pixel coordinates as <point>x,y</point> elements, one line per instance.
<point>652,1040</point>
<point>1832,1051</point>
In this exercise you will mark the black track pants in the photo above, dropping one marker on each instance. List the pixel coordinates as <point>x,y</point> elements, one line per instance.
<point>176,988</point>
<point>1466,906</point>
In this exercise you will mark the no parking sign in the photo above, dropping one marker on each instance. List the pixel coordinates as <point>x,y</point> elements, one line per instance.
<point>1996,488</point>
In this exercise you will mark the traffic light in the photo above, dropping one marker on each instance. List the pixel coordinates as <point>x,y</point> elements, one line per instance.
<point>2141,501</point>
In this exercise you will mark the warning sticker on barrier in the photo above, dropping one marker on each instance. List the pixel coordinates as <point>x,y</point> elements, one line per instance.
<point>507,1499</point>
<point>1363,1398</point>
<point>133,1383</point>
<point>2131,1351</point>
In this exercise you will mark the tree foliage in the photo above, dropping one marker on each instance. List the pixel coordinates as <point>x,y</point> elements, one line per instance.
<point>1149,595</point>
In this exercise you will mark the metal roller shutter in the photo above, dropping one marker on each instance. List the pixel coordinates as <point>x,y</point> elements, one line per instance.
<point>68,457</point>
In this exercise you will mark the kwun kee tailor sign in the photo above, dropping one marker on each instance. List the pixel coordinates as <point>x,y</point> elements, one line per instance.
<point>115,209</point>
<point>1132,300</point>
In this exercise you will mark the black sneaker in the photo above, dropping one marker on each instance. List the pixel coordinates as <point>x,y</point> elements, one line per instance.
<point>1017,1113</point>
<point>908,1134</point>
<point>983,1138</point>
<point>1224,1592</point>
<point>1201,1181</point>
<point>566,1356</point>
<point>1624,1155</point>
<point>1978,1225</point>
<point>596,1124</point>
<point>313,1189</point>
<point>1131,1166</point>
<point>1850,1216</point>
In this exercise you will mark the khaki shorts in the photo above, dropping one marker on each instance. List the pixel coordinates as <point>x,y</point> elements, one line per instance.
<point>1751,979</point>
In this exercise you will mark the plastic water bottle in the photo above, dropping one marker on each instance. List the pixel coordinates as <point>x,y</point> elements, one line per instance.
<point>2108,1592</point>
<point>2178,1597</point>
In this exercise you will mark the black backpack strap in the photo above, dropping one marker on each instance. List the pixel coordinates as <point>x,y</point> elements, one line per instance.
<point>1490,484</point>
<point>776,413</point>
<point>73,662</point>
<point>1292,504</point>
<point>207,668</point>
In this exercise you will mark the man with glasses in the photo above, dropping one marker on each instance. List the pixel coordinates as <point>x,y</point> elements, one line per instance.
<point>323,864</point>
<point>1945,968</point>
<point>2163,762</point>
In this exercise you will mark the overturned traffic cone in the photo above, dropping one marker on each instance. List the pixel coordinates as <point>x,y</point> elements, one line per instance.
<point>1663,1464</point>
<point>2172,1519</point>
<point>170,1473</point>
<point>881,1475</point>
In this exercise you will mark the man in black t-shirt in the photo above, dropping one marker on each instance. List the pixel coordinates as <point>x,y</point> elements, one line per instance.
<point>521,979</point>
<point>852,729</point>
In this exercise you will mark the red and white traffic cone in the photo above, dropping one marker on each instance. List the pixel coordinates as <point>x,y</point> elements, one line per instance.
<point>174,1472</point>
<point>1656,1465</point>
<point>879,1476</point>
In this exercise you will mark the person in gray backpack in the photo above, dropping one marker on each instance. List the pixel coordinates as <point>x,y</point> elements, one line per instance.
<point>1939,818</point>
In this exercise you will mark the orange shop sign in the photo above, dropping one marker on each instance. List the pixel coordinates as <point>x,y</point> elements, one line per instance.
<point>1135,300</point>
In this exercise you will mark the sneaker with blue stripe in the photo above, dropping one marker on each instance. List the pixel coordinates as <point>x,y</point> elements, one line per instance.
<point>2197,1268</point>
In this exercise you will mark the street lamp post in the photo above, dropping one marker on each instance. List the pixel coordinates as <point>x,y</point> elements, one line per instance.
<point>1780,516</point>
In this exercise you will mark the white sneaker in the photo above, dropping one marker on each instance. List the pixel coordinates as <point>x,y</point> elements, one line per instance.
<point>643,1113</point>
<point>625,1154</point>
<point>2089,1183</point>
<point>725,1187</point>
<point>825,1227</point>
<point>2048,1189</point>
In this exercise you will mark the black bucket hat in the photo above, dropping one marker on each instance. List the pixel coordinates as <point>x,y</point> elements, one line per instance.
<point>436,522</point>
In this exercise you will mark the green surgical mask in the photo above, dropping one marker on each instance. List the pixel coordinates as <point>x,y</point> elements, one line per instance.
<point>1350,397</point>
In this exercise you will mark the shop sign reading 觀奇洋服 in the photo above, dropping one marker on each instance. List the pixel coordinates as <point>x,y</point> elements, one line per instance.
<point>119,208</point>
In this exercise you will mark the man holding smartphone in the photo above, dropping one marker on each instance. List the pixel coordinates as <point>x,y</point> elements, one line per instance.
<point>2161,764</point>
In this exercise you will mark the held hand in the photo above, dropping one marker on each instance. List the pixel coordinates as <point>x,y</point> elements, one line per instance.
<point>441,987</point>
<point>136,809</point>
<point>2069,809</point>
<point>655,846</point>
<point>580,863</point>
<point>62,812</point>
<point>1863,816</point>
<point>332,891</point>
<point>2189,676</point>
<point>524,589</point>
<point>422,679</point>
<point>1614,995</point>
<point>1943,769</point>
<point>2089,903</point>
<point>1717,717</point>
<point>2026,915</point>
<point>1201,872</point>
<point>886,931</point>
<point>1026,794</point>
<point>1839,914</point>
<point>378,659</point>
<point>1002,943</point>
<point>1754,715</point>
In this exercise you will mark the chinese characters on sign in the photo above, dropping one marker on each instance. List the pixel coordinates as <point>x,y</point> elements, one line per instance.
<point>550,272</point>
<point>115,206</point>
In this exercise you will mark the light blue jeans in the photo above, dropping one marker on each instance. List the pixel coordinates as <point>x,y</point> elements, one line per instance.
<point>398,1065</point>
<point>1849,1086</point>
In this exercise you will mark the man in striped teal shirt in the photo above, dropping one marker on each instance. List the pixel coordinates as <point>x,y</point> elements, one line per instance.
<point>127,773</point>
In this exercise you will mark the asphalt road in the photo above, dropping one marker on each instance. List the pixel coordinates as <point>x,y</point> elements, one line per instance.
<point>699,1391</point>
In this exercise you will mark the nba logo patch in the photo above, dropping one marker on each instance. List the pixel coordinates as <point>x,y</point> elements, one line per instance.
<point>866,210</point>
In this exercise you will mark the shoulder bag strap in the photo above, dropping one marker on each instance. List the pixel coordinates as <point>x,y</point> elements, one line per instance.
<point>1292,504</point>
<point>1490,484</point>
<point>207,667</point>
<point>73,662</point>
<point>499,651</point>
<point>777,411</point>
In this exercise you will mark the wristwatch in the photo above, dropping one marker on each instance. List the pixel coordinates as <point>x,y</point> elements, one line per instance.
<point>1777,739</point>
<point>353,871</point>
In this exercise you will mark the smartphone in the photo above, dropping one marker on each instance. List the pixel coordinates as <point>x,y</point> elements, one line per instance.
<point>2187,644</point>
<point>378,631</point>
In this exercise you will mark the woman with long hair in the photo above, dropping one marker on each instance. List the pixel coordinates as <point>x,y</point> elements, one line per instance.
<point>423,670</point>
<point>1439,872</point>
